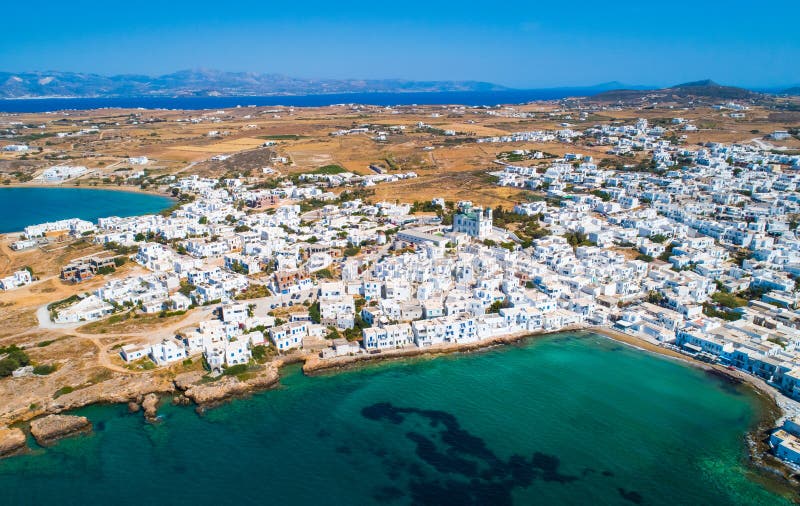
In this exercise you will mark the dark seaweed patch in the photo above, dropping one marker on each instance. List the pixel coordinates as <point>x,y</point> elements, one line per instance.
<point>470,473</point>
<point>631,495</point>
<point>549,464</point>
<point>448,462</point>
<point>457,493</point>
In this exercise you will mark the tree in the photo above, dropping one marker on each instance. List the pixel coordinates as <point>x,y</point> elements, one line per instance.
<point>604,196</point>
<point>656,297</point>
<point>497,306</point>
<point>576,239</point>
<point>313,312</point>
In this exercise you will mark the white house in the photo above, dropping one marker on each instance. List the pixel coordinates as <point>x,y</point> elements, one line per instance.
<point>20,278</point>
<point>167,352</point>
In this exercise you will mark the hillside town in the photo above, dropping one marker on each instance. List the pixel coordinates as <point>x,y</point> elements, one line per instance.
<point>695,250</point>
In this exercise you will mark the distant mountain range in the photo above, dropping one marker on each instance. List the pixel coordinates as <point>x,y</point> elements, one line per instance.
<point>212,83</point>
<point>204,83</point>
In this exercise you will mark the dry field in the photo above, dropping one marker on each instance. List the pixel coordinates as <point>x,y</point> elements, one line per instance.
<point>177,142</point>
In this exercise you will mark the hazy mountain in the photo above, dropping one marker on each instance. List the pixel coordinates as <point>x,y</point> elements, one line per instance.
<point>705,89</point>
<point>795,90</point>
<point>708,88</point>
<point>208,83</point>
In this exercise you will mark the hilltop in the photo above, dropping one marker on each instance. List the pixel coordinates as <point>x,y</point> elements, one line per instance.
<point>705,89</point>
<point>208,83</point>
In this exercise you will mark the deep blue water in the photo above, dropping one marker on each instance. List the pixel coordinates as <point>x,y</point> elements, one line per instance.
<point>20,207</point>
<point>474,98</point>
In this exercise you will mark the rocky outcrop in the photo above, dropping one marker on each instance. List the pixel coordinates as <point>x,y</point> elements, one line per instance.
<point>119,389</point>
<point>185,380</point>
<point>12,442</point>
<point>150,406</point>
<point>181,400</point>
<point>227,387</point>
<point>51,428</point>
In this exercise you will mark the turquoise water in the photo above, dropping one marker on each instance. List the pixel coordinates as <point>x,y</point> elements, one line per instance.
<point>568,419</point>
<point>20,207</point>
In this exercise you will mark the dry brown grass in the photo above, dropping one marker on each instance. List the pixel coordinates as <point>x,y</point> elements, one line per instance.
<point>130,322</point>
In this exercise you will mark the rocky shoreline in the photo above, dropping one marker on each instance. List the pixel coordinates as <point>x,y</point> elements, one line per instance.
<point>51,428</point>
<point>12,442</point>
<point>140,393</point>
<point>213,394</point>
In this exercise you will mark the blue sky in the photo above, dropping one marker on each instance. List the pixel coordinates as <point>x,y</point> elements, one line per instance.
<point>515,43</point>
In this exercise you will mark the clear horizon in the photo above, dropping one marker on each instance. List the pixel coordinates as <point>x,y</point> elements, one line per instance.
<point>519,46</point>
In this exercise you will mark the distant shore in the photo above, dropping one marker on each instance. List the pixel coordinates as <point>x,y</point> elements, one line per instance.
<point>99,186</point>
<point>114,188</point>
<point>471,98</point>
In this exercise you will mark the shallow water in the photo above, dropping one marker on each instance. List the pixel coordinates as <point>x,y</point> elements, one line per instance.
<point>565,419</point>
<point>20,207</point>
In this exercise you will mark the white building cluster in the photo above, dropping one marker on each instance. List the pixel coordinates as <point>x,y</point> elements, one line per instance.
<point>694,249</point>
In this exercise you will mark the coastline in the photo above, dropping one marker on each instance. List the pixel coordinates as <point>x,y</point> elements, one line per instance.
<point>188,389</point>
<point>124,189</point>
<point>115,188</point>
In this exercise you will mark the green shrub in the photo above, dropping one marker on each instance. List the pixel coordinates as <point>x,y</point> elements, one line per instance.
<point>63,391</point>
<point>44,369</point>
<point>13,358</point>
<point>235,370</point>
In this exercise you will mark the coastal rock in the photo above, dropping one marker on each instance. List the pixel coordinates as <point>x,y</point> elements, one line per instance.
<point>133,407</point>
<point>117,390</point>
<point>227,387</point>
<point>185,380</point>
<point>150,406</point>
<point>12,441</point>
<point>181,400</point>
<point>53,427</point>
<point>215,392</point>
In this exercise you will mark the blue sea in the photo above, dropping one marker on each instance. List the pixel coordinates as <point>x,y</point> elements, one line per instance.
<point>20,207</point>
<point>569,419</point>
<point>470,98</point>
